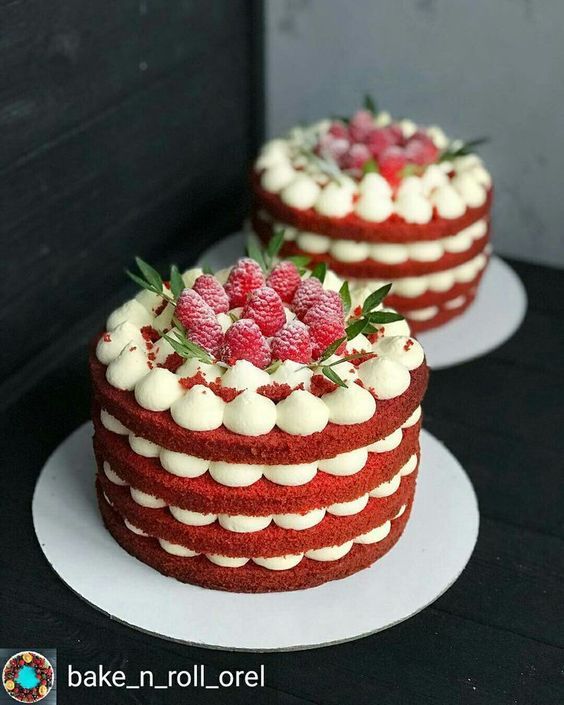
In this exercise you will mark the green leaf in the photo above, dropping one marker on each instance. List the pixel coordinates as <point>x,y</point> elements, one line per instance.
<point>370,104</point>
<point>331,349</point>
<point>319,271</point>
<point>369,329</point>
<point>411,170</point>
<point>254,251</point>
<point>384,317</point>
<point>275,243</point>
<point>186,348</point>
<point>271,369</point>
<point>375,298</point>
<point>370,167</point>
<point>176,281</point>
<point>354,356</point>
<point>299,260</point>
<point>464,149</point>
<point>206,269</point>
<point>356,328</point>
<point>150,274</point>
<point>345,294</point>
<point>141,282</point>
<point>330,373</point>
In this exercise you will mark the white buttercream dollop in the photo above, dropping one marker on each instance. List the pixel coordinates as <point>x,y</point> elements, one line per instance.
<point>146,500</point>
<point>426,251</point>
<point>350,405</point>
<point>345,509</point>
<point>176,549</point>
<point>412,419</point>
<point>131,311</point>
<point>329,553</point>
<point>244,375</point>
<point>235,474</point>
<point>158,390</point>
<point>349,251</point>
<point>241,524</point>
<point>182,464</point>
<point>199,409</point>
<point>312,243</point>
<point>192,366</point>
<point>345,464</point>
<point>387,443</point>
<point>301,193</point>
<point>133,528</point>
<point>385,489</point>
<point>250,414</point>
<point>227,561</point>
<point>448,202</point>
<point>277,177</point>
<point>386,377</point>
<point>272,153</point>
<point>143,447</point>
<point>190,275</point>
<point>112,476</point>
<point>413,207</point>
<point>279,562</point>
<point>290,475</point>
<point>301,414</point>
<point>299,522</point>
<point>473,193</point>
<point>400,327</point>
<point>359,343</point>
<point>438,136</point>
<point>407,351</point>
<point>375,207</point>
<point>127,369</point>
<point>113,342</point>
<point>389,253</point>
<point>409,466</point>
<point>112,424</point>
<point>335,200</point>
<point>375,183</point>
<point>378,533</point>
<point>185,516</point>
<point>292,373</point>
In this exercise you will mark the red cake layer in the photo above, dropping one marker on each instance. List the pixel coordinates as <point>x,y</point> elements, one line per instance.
<point>276,447</point>
<point>272,541</point>
<point>248,578</point>
<point>369,268</point>
<point>351,227</point>
<point>443,316</point>
<point>203,494</point>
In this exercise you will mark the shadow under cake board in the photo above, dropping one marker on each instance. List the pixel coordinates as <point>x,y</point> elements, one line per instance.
<point>496,313</point>
<point>434,549</point>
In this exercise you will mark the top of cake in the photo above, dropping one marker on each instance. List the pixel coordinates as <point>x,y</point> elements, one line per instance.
<point>374,167</point>
<point>260,345</point>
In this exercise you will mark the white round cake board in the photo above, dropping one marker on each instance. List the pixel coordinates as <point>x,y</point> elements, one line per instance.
<point>429,557</point>
<point>496,313</point>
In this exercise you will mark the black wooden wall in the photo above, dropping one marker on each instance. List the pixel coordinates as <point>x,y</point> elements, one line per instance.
<point>126,127</point>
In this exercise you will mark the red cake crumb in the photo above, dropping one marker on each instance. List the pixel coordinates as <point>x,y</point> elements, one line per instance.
<point>172,362</point>
<point>275,391</point>
<point>150,335</point>
<point>189,382</point>
<point>160,308</point>
<point>107,338</point>
<point>225,393</point>
<point>320,385</point>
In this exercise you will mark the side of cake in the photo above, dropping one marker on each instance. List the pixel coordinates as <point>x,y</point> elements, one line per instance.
<point>257,429</point>
<point>379,201</point>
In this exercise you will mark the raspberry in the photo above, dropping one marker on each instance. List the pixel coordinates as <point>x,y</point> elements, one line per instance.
<point>323,332</point>
<point>284,279</point>
<point>212,292</point>
<point>244,341</point>
<point>391,163</point>
<point>361,125</point>
<point>245,276</point>
<point>292,342</point>
<point>379,140</point>
<point>198,318</point>
<point>421,149</point>
<point>306,295</point>
<point>328,305</point>
<point>339,130</point>
<point>357,155</point>
<point>265,308</point>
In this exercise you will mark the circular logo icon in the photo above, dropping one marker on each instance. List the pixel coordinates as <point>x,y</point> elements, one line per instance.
<point>27,676</point>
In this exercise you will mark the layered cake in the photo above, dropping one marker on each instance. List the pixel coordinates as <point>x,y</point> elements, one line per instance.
<point>381,200</point>
<point>258,429</point>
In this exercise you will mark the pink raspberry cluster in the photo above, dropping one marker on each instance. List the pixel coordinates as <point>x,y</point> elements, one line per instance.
<point>282,317</point>
<point>360,141</point>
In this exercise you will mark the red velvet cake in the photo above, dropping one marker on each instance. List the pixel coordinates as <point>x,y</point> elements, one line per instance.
<point>258,429</point>
<point>380,201</point>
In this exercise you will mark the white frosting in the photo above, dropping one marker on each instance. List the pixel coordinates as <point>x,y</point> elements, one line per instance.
<point>402,349</point>
<point>329,553</point>
<point>374,207</point>
<point>413,207</point>
<point>438,136</point>
<point>182,464</point>
<point>359,343</point>
<point>413,419</point>
<point>235,474</point>
<point>244,524</point>
<point>143,447</point>
<point>112,424</point>
<point>387,488</point>
<point>299,522</point>
<point>146,500</point>
<point>349,251</point>
<point>192,366</point>
<point>378,533</point>
<point>190,275</point>
<point>129,367</point>
<point>158,390</point>
<point>374,183</point>
<point>409,466</point>
<point>199,409</point>
<point>113,342</point>
<point>177,550</point>
<point>387,443</point>
<point>448,202</point>
<point>279,562</point>
<point>272,153</point>
<point>227,561</point>
<point>423,314</point>
<point>472,192</point>
<point>312,243</point>
<point>301,414</point>
<point>345,463</point>
<point>345,509</point>
<point>244,375</point>
<point>131,311</point>
<point>389,253</point>
<point>301,193</point>
<point>350,405</point>
<point>290,475</point>
<point>335,200</point>
<point>385,376</point>
<point>277,177</point>
<point>133,528</point>
<point>250,414</point>
<point>292,373</point>
<point>112,476</point>
<point>185,516</point>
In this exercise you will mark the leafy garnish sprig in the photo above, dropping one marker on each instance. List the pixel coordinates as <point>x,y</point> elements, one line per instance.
<point>186,348</point>
<point>463,150</point>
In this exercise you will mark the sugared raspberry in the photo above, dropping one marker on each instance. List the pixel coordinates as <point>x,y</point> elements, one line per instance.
<point>245,276</point>
<point>361,125</point>
<point>339,130</point>
<point>356,157</point>
<point>266,309</point>
<point>379,140</point>
<point>421,149</point>
<point>244,341</point>
<point>212,292</point>
<point>292,342</point>
<point>391,163</point>
<point>198,318</point>
<point>328,305</point>
<point>306,295</point>
<point>325,331</point>
<point>284,279</point>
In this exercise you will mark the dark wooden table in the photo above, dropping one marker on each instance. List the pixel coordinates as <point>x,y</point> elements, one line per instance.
<point>494,638</point>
